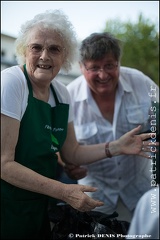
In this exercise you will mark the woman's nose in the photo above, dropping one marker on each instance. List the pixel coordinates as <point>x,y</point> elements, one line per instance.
<point>44,54</point>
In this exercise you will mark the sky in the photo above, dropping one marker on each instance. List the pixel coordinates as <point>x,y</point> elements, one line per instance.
<point>86,16</point>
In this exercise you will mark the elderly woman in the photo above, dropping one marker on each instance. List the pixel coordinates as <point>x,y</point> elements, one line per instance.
<point>37,122</point>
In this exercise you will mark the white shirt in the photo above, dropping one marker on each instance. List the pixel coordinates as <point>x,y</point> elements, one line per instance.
<point>125,176</point>
<point>145,221</point>
<point>14,93</point>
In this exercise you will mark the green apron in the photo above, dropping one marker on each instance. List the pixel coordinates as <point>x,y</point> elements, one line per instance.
<point>42,133</point>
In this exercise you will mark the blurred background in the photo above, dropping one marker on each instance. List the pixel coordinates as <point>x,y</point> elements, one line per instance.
<point>135,23</point>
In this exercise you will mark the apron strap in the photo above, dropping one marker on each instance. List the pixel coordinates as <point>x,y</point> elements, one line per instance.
<point>54,94</point>
<point>28,81</point>
<point>30,87</point>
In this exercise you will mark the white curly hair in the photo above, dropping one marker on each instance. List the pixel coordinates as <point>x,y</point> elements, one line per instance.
<point>52,20</point>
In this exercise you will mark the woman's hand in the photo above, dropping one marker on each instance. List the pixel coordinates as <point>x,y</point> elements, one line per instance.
<point>74,195</point>
<point>131,143</point>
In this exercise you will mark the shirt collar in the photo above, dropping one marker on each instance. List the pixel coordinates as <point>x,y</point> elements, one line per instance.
<point>124,84</point>
<point>84,91</point>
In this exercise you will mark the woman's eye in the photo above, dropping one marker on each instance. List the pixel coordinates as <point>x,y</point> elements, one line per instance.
<point>37,48</point>
<point>54,49</point>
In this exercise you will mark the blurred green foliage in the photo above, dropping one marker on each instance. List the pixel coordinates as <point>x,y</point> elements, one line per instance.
<point>140,44</point>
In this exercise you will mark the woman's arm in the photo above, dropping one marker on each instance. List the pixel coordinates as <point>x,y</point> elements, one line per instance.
<point>129,143</point>
<point>23,177</point>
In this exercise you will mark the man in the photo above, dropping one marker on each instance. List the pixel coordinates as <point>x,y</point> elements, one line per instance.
<point>109,100</point>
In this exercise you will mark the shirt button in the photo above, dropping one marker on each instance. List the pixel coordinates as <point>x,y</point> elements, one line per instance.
<point>119,163</point>
<point>119,178</point>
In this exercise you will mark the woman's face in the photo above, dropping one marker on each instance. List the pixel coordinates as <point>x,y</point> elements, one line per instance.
<point>44,55</point>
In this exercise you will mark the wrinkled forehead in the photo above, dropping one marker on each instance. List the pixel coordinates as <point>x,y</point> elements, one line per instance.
<point>44,36</point>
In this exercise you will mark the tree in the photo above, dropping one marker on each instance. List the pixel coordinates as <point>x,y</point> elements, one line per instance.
<point>140,44</point>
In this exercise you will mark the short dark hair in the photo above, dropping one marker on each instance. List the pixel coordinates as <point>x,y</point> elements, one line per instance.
<point>97,45</point>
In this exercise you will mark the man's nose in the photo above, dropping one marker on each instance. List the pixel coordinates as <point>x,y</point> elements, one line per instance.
<point>102,73</point>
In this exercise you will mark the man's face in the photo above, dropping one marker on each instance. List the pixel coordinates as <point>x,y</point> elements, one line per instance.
<point>101,75</point>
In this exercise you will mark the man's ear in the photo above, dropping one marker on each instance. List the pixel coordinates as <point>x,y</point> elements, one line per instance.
<point>81,66</point>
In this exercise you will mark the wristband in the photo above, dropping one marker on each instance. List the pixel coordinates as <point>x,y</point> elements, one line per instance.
<point>108,154</point>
